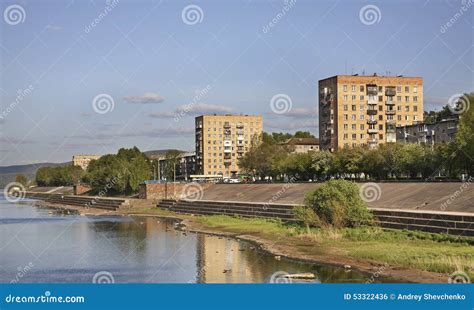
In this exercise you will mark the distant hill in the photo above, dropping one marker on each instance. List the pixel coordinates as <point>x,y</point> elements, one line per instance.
<point>8,173</point>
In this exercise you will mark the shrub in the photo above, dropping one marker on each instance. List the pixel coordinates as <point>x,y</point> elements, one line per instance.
<point>338,203</point>
<point>307,216</point>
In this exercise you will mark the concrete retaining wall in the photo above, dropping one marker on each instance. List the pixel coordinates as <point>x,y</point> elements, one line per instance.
<point>430,221</point>
<point>449,196</point>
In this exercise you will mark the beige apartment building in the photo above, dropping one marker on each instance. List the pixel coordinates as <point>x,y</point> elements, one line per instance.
<point>83,160</point>
<point>365,110</point>
<point>221,140</point>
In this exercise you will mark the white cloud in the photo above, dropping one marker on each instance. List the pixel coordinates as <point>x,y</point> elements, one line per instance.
<point>146,98</point>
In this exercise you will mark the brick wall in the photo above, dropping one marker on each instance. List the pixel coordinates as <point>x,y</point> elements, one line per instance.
<point>81,189</point>
<point>167,190</point>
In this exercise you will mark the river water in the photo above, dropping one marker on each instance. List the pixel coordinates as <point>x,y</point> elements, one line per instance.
<point>43,245</point>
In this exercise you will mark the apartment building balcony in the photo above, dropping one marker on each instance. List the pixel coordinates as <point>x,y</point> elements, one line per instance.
<point>372,121</point>
<point>390,91</point>
<point>372,100</point>
<point>372,141</point>
<point>227,143</point>
<point>227,151</point>
<point>240,125</point>
<point>372,90</point>
<point>372,112</point>
<point>226,125</point>
<point>390,102</point>
<point>390,112</point>
<point>372,130</point>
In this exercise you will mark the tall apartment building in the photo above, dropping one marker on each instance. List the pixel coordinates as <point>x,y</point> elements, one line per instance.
<point>221,140</point>
<point>365,110</point>
<point>83,160</point>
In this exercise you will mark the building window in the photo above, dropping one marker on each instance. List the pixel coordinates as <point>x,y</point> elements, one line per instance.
<point>380,117</point>
<point>399,89</point>
<point>361,88</point>
<point>399,117</point>
<point>380,108</point>
<point>361,98</point>
<point>344,87</point>
<point>361,126</point>
<point>380,127</point>
<point>362,117</point>
<point>399,98</point>
<point>380,136</point>
<point>380,89</point>
<point>407,98</point>
<point>407,108</point>
<point>345,107</point>
<point>415,98</point>
<point>345,98</point>
<point>399,108</point>
<point>415,89</point>
<point>345,136</point>
<point>380,98</point>
<point>354,108</point>
<point>354,126</point>
<point>346,117</point>
<point>354,97</point>
<point>407,89</point>
<point>353,117</point>
<point>415,109</point>
<point>354,136</point>
<point>346,126</point>
<point>353,88</point>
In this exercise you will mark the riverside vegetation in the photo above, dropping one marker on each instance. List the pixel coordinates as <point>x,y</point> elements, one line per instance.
<point>335,222</point>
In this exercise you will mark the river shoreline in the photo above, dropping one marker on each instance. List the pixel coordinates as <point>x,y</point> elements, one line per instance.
<point>283,248</point>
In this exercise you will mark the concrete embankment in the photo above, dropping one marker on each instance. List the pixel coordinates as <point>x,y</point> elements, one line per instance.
<point>449,196</point>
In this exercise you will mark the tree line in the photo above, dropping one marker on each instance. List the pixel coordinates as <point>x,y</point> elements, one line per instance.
<point>269,158</point>
<point>120,173</point>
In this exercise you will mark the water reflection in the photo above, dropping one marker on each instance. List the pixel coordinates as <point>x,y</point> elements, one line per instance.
<point>70,248</point>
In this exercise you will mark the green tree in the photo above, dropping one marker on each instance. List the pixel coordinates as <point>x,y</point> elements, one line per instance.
<point>465,134</point>
<point>22,179</point>
<point>322,163</point>
<point>172,161</point>
<point>121,173</point>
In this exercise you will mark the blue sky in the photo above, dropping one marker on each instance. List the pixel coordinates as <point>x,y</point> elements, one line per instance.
<point>151,61</point>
